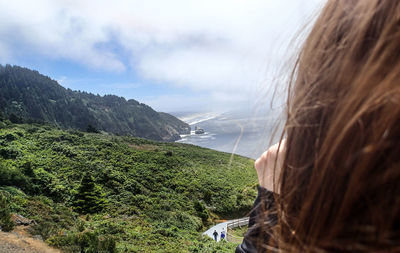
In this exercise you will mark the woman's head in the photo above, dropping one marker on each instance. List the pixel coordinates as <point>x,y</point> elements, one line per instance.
<point>340,182</point>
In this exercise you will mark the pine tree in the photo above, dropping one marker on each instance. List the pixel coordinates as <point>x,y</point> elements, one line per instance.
<point>15,119</point>
<point>89,198</point>
<point>5,215</point>
<point>92,129</point>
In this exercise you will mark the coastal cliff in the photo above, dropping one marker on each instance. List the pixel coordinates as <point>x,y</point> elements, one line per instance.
<point>28,96</point>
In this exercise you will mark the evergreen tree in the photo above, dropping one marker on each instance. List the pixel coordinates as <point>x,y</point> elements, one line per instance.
<point>88,198</point>
<point>5,215</point>
<point>15,119</point>
<point>201,211</point>
<point>92,129</point>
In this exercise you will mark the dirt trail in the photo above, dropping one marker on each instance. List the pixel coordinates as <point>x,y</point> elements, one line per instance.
<point>19,241</point>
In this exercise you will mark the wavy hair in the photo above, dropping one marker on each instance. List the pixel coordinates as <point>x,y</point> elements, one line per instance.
<point>340,181</point>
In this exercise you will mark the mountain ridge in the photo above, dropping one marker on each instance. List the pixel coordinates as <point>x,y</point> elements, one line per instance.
<point>30,96</point>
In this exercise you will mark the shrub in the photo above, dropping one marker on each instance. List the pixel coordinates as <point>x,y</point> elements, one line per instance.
<point>92,129</point>
<point>87,241</point>
<point>6,222</point>
<point>9,153</point>
<point>8,137</point>
<point>201,211</point>
<point>12,176</point>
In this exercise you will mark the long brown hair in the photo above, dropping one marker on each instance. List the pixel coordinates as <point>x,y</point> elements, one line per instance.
<point>340,181</point>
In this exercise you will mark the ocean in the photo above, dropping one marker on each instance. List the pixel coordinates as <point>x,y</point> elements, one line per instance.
<point>240,133</point>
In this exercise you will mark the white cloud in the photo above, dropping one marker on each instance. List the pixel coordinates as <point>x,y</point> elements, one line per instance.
<point>179,103</point>
<point>217,46</point>
<point>121,86</point>
<point>4,53</point>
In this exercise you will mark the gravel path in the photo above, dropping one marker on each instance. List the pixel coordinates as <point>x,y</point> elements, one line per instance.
<point>16,242</point>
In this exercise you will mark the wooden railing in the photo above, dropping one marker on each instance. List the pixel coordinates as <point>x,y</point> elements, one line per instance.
<point>238,223</point>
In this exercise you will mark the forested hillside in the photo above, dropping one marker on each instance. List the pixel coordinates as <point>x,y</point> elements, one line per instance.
<point>93,192</point>
<point>27,96</point>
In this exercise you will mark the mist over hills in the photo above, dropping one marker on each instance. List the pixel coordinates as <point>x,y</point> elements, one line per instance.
<point>28,96</point>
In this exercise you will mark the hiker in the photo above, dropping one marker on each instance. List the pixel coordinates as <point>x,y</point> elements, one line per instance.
<point>222,234</point>
<point>331,184</point>
<point>215,234</point>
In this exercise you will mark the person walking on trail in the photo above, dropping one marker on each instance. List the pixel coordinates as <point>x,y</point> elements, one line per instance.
<point>222,234</point>
<point>215,234</point>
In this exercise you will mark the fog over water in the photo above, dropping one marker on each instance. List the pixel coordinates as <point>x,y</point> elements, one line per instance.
<point>233,132</point>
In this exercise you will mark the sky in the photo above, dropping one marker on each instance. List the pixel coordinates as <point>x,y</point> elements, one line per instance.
<point>174,55</point>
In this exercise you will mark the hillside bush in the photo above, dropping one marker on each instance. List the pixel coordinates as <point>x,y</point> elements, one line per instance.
<point>12,176</point>
<point>6,223</point>
<point>86,241</point>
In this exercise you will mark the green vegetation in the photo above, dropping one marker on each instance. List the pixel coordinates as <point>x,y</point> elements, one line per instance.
<point>27,96</point>
<point>89,198</point>
<point>6,223</point>
<point>93,192</point>
<point>239,231</point>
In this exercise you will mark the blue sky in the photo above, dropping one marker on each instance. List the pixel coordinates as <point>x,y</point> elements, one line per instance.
<point>175,55</point>
<point>126,84</point>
